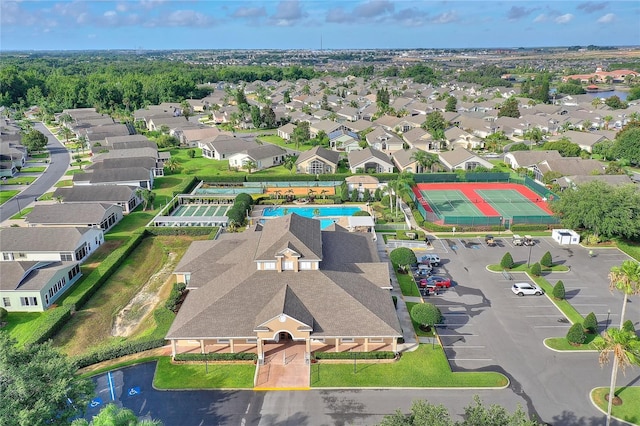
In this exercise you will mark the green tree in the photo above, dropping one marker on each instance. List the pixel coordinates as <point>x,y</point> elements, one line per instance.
<point>628,326</point>
<point>112,415</point>
<point>625,347</point>
<point>3,314</point>
<point>191,153</point>
<point>37,382</point>
<point>425,160</point>
<point>626,279</point>
<point>34,140</point>
<point>403,257</point>
<point>422,413</point>
<point>249,165</point>
<point>600,208</point>
<point>535,270</point>
<point>286,97</point>
<point>301,134</point>
<point>268,117</point>
<point>426,314</point>
<point>590,323</point>
<point>564,146</point>
<point>546,260</point>
<point>626,145</point>
<point>534,134</point>
<point>507,261</point>
<point>256,117</point>
<point>290,163</point>
<point>171,164</point>
<point>434,122</point>
<point>575,335</point>
<point>452,104</point>
<point>509,108</point>
<point>477,414</point>
<point>146,196</point>
<point>558,290</point>
<point>67,133</point>
<point>614,102</point>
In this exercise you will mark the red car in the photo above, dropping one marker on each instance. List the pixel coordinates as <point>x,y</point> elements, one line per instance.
<point>435,281</point>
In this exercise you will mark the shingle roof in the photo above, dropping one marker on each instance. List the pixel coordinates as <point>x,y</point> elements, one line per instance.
<point>344,298</point>
<point>299,233</point>
<point>360,156</point>
<point>330,156</point>
<point>265,151</point>
<point>80,213</point>
<point>123,174</point>
<point>41,239</point>
<point>18,276</point>
<point>105,193</point>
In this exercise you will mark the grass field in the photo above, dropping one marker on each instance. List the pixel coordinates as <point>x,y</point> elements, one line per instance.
<point>32,169</point>
<point>7,194</point>
<point>18,180</point>
<point>91,326</point>
<point>277,140</point>
<point>425,367</point>
<point>201,376</point>
<point>21,325</point>
<point>628,411</point>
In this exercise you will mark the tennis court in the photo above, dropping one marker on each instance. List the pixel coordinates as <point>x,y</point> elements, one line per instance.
<point>470,203</point>
<point>200,210</point>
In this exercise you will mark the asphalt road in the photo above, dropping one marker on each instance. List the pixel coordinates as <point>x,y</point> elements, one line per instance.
<point>59,162</point>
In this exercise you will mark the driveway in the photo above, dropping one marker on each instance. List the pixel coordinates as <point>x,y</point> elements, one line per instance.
<point>59,162</point>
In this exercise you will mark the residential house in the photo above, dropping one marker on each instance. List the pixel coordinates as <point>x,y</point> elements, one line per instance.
<point>527,159</point>
<point>124,196</point>
<point>405,161</point>
<point>326,126</point>
<point>383,140</point>
<point>95,215</point>
<point>458,138</point>
<point>323,290</point>
<point>263,156</point>
<point>33,286</point>
<point>344,141</point>
<point>286,131</point>
<point>369,159</point>
<point>462,159</point>
<point>317,161</point>
<point>100,133</point>
<point>362,183</point>
<point>585,140</point>
<point>568,166</point>
<point>573,181</point>
<point>191,137</point>
<point>124,176</point>
<point>348,113</point>
<point>222,147</point>
<point>421,139</point>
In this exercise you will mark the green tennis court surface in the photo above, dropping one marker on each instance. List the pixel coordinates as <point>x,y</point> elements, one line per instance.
<point>509,202</point>
<point>451,203</point>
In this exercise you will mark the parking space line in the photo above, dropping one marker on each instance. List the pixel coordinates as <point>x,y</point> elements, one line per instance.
<point>552,326</point>
<point>454,313</point>
<point>469,359</point>
<point>464,347</point>
<point>589,304</point>
<point>536,316</point>
<point>458,335</point>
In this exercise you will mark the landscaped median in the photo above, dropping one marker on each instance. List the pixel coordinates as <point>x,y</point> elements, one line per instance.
<point>628,411</point>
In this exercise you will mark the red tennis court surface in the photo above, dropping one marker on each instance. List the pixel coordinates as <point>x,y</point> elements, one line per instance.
<point>469,191</point>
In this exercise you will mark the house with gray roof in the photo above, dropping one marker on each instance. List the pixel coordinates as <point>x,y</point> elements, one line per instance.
<point>127,176</point>
<point>585,140</point>
<point>368,159</point>
<point>383,140</point>
<point>95,215</point>
<point>33,286</point>
<point>285,281</point>
<point>124,196</point>
<point>527,159</point>
<point>317,161</point>
<point>462,159</point>
<point>568,166</point>
<point>221,147</point>
<point>264,156</point>
<point>405,161</point>
<point>574,181</point>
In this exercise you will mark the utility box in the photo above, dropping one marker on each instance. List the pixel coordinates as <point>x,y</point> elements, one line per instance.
<point>565,236</point>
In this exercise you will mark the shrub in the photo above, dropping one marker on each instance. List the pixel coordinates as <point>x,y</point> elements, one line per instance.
<point>575,335</point>
<point>175,296</point>
<point>115,351</point>
<point>546,260</point>
<point>403,257</point>
<point>590,323</point>
<point>3,313</point>
<point>349,355</point>
<point>536,269</point>
<point>507,261</point>
<point>558,290</point>
<point>395,302</point>
<point>628,326</point>
<point>241,356</point>
<point>426,314</point>
<point>248,199</point>
<point>361,213</point>
<point>56,318</point>
<point>183,230</point>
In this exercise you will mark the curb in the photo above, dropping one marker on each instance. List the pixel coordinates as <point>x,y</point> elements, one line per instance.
<point>603,411</point>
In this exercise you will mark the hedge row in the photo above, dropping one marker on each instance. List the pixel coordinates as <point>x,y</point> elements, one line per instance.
<point>349,355</point>
<point>54,320</point>
<point>79,295</point>
<point>115,351</point>
<point>221,178</point>
<point>183,230</point>
<point>530,227</point>
<point>186,186</point>
<point>281,178</point>
<point>242,356</point>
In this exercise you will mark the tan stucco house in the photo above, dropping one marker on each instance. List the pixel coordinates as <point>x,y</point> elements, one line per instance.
<point>286,280</point>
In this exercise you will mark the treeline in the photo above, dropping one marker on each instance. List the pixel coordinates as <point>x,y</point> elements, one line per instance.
<point>485,75</point>
<point>113,83</point>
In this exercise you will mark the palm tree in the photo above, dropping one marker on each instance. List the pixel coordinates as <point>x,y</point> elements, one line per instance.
<point>82,140</point>
<point>324,194</point>
<point>625,346</point>
<point>290,162</point>
<point>64,118</point>
<point>595,102</point>
<point>171,164</point>
<point>425,160</point>
<point>66,134</point>
<point>277,193</point>
<point>249,165</point>
<point>146,196</point>
<point>607,119</point>
<point>625,278</point>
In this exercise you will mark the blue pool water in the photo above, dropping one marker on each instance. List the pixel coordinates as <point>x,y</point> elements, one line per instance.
<point>324,212</point>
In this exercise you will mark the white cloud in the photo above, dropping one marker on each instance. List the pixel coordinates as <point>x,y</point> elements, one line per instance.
<point>445,18</point>
<point>288,13</point>
<point>607,19</point>
<point>564,19</point>
<point>540,18</point>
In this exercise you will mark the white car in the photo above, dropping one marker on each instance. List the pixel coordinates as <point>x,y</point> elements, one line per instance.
<point>527,288</point>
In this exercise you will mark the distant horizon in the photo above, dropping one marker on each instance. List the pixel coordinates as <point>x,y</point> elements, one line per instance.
<point>162,25</point>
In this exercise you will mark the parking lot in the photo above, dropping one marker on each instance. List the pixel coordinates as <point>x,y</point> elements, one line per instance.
<point>485,321</point>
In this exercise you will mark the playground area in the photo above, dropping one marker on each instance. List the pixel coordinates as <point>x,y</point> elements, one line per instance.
<point>482,203</point>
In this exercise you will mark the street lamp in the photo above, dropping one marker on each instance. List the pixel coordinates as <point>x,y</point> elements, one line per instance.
<point>18,202</point>
<point>608,314</point>
<point>529,259</point>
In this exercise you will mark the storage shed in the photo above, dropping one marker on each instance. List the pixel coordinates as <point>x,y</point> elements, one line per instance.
<point>565,236</point>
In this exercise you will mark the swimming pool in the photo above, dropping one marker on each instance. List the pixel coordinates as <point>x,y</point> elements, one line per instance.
<point>326,215</point>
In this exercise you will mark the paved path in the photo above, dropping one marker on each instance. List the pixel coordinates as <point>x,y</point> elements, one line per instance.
<point>58,165</point>
<point>285,369</point>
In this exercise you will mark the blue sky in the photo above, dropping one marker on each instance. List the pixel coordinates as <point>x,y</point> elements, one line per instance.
<point>300,24</point>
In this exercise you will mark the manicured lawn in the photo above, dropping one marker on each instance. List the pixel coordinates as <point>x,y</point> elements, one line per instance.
<point>46,196</point>
<point>73,172</point>
<point>629,247</point>
<point>7,194</point>
<point>407,285</point>
<point>131,222</point>
<point>416,326</point>
<point>21,325</point>
<point>425,367</point>
<point>33,169</point>
<point>22,214</point>
<point>630,408</point>
<point>18,180</point>
<point>40,155</point>
<point>195,376</point>
<point>63,183</point>
<point>561,344</point>
<point>277,140</point>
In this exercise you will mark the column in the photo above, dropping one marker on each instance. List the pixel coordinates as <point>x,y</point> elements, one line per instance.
<point>366,344</point>
<point>173,347</point>
<point>201,346</point>
<point>259,348</point>
<point>231,346</point>
<point>394,345</point>
<point>337,344</point>
<point>307,342</point>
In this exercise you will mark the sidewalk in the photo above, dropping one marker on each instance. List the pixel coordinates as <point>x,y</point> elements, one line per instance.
<point>410,340</point>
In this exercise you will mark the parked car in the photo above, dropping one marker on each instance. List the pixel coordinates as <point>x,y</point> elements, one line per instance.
<point>430,259</point>
<point>522,289</point>
<point>422,273</point>
<point>489,240</point>
<point>517,240</point>
<point>435,281</point>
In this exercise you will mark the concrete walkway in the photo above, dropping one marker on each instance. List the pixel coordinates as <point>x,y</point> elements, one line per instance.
<point>410,340</point>
<point>284,369</point>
